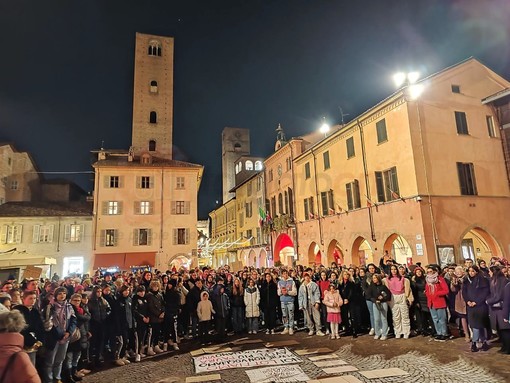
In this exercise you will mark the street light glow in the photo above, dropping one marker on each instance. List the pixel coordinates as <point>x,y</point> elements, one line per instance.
<point>415,90</point>
<point>399,79</point>
<point>412,77</point>
<point>324,128</point>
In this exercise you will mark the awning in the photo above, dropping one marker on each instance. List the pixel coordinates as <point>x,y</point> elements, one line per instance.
<point>14,260</point>
<point>124,261</point>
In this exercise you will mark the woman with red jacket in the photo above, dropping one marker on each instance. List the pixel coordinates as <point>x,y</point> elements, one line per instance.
<point>436,291</point>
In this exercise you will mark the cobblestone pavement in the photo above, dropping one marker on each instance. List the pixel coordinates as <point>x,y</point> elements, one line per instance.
<point>423,359</point>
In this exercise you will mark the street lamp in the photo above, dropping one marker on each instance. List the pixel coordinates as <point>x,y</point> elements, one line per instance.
<point>409,80</point>
<point>324,129</point>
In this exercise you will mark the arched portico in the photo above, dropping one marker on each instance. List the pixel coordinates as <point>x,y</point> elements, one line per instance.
<point>283,250</point>
<point>314,254</point>
<point>362,253</point>
<point>477,243</point>
<point>399,249</point>
<point>335,253</point>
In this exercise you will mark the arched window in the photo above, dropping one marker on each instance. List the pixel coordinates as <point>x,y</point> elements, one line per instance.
<point>258,165</point>
<point>154,86</point>
<point>286,202</point>
<point>237,146</point>
<point>238,168</point>
<point>154,48</point>
<point>152,145</point>
<point>153,117</point>
<point>280,203</point>
<point>249,165</point>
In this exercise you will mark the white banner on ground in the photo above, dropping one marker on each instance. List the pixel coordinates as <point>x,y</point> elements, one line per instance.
<point>277,374</point>
<point>248,358</point>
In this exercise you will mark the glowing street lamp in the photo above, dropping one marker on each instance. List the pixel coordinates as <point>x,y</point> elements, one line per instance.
<point>409,80</point>
<point>324,129</point>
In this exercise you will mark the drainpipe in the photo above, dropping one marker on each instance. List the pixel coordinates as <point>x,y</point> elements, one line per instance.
<point>367,182</point>
<point>296,236</point>
<point>317,197</point>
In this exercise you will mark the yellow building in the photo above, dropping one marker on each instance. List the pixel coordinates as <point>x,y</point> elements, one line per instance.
<point>421,175</point>
<point>145,202</point>
<point>222,244</point>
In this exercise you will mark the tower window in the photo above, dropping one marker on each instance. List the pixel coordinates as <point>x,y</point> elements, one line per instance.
<point>153,117</point>
<point>154,86</point>
<point>152,145</point>
<point>154,48</point>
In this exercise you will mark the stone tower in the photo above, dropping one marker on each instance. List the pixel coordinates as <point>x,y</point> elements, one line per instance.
<point>153,95</point>
<point>235,142</point>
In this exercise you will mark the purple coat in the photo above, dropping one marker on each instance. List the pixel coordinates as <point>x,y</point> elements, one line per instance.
<point>477,290</point>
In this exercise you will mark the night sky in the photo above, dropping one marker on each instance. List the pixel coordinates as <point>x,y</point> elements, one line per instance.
<point>66,68</point>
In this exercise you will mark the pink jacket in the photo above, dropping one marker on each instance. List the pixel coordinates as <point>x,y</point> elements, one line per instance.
<point>21,370</point>
<point>331,298</point>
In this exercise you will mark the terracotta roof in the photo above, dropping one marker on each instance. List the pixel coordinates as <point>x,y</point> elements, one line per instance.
<point>156,162</point>
<point>45,209</point>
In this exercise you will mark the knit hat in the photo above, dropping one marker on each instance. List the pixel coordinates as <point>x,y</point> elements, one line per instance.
<point>59,290</point>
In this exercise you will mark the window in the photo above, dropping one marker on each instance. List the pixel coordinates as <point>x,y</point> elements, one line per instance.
<point>387,185</point>
<point>280,203</point>
<point>73,233</point>
<point>113,182</point>
<point>181,236</point>
<point>461,121</point>
<point>249,165</point>
<point>455,88</point>
<point>152,146</point>
<point>353,196</point>
<point>327,202</point>
<point>109,237</point>
<point>259,183</point>
<point>307,170</point>
<point>350,147</point>
<point>270,175</point>
<point>180,207</point>
<point>143,207</point>
<point>325,157</point>
<point>145,182</point>
<point>248,209</point>
<point>154,48</point>
<point>249,189</point>
<point>238,167</point>
<point>490,126</point>
<point>241,220</point>
<point>142,237</point>
<point>14,185</point>
<point>467,179</point>
<point>112,207</point>
<point>273,206</point>
<point>179,184</point>
<point>258,165</point>
<point>154,86</point>
<point>11,234</point>
<point>286,200</point>
<point>288,162</point>
<point>308,203</point>
<point>43,233</point>
<point>382,135</point>
<point>153,117</point>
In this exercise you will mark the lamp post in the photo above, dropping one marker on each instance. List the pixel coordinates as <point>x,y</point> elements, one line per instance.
<point>324,129</point>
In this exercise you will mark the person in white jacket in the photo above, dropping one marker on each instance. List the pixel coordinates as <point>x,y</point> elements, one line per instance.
<point>252,300</point>
<point>309,302</point>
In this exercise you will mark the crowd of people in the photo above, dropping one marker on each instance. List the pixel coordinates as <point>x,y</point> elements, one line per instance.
<point>59,330</point>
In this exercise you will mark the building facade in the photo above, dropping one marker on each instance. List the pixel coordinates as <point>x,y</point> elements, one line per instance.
<point>145,202</point>
<point>223,241</point>
<point>235,142</point>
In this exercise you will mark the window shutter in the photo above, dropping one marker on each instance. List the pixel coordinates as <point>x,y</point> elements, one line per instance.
<point>102,238</point>
<point>355,195</point>
<point>138,182</point>
<point>151,207</point>
<point>136,207</point>
<point>473,179</point>
<point>119,207</point>
<point>67,233</point>
<point>348,190</point>
<point>186,207</point>
<point>50,235</point>
<point>151,182</point>
<point>176,236</point>
<point>380,186</point>
<point>187,236</point>
<point>80,236</point>
<point>115,237</point>
<point>19,229</point>
<point>149,237</point>
<point>106,182</point>
<point>136,235</point>
<point>3,234</point>
<point>121,181</point>
<point>394,180</point>
<point>174,207</point>
<point>105,208</point>
<point>35,234</point>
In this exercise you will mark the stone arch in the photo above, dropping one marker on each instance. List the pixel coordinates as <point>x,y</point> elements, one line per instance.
<point>263,259</point>
<point>314,254</point>
<point>477,243</point>
<point>362,253</point>
<point>335,253</point>
<point>178,260</point>
<point>398,248</point>
<point>283,249</point>
<point>252,258</point>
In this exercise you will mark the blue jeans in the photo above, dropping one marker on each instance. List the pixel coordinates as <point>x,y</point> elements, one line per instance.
<point>237,318</point>
<point>381,318</point>
<point>370,306</point>
<point>439,319</point>
<point>479,334</point>
<point>54,360</point>
<point>253,324</point>
<point>288,314</point>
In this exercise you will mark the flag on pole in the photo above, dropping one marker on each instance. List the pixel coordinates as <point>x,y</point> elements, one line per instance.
<point>339,208</point>
<point>332,211</point>
<point>369,202</point>
<point>395,195</point>
<point>262,214</point>
<point>311,215</point>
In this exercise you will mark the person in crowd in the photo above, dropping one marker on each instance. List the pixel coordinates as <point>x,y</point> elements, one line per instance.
<point>365,283</point>
<point>59,323</point>
<point>183,317</point>
<point>476,291</point>
<point>459,304</point>
<point>15,298</point>
<point>6,300</point>
<point>436,291</point>
<point>495,300</point>
<point>111,331</point>
<point>192,300</point>
<point>269,302</point>
<point>156,307</point>
<point>505,333</point>
<point>15,364</point>
<point>78,340</point>
<point>125,325</point>
<point>252,301</point>
<point>401,298</point>
<point>142,319</point>
<point>221,305</point>
<point>333,301</point>
<point>33,333</point>
<point>100,311</point>
<point>172,307</point>
<point>323,284</point>
<point>205,312</point>
<point>287,291</point>
<point>309,304</point>
<point>146,280</point>
<point>380,296</point>
<point>237,305</point>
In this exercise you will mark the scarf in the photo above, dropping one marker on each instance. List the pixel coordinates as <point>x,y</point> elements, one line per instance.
<point>432,280</point>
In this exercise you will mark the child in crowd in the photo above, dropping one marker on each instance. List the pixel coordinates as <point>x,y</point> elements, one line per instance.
<point>204,311</point>
<point>333,301</point>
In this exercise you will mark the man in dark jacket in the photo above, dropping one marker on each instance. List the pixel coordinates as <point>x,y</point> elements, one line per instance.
<point>192,300</point>
<point>34,332</point>
<point>172,307</point>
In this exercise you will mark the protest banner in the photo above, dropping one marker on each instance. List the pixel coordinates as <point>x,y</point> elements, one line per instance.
<point>247,358</point>
<point>277,374</point>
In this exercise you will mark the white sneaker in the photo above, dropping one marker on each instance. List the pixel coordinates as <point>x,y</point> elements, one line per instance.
<point>119,362</point>
<point>285,331</point>
<point>158,350</point>
<point>138,358</point>
<point>176,347</point>
<point>406,336</point>
<point>291,331</point>
<point>272,332</point>
<point>150,351</point>
<point>376,336</point>
<point>337,336</point>
<point>310,333</point>
<point>126,360</point>
<point>384,337</point>
<point>268,332</point>
<point>320,333</point>
<point>327,332</point>
<point>165,347</point>
<point>332,336</point>
<point>372,332</point>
